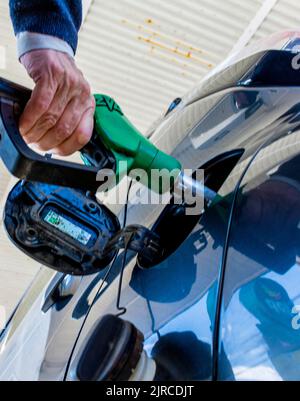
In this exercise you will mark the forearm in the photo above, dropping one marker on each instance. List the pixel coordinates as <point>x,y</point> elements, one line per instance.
<point>60,19</point>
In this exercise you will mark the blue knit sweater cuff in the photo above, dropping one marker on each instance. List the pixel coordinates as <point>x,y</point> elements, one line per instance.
<point>28,41</point>
<point>59,18</point>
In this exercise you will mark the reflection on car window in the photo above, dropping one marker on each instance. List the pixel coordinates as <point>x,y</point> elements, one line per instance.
<point>260,290</point>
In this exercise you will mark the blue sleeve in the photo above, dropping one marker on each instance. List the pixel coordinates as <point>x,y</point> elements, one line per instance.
<point>60,18</point>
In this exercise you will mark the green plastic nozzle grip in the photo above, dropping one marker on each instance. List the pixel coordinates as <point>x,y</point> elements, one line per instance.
<point>128,145</point>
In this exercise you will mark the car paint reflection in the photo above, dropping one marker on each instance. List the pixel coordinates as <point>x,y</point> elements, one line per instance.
<point>257,333</point>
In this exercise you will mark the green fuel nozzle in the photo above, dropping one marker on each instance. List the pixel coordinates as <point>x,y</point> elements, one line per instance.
<point>132,151</point>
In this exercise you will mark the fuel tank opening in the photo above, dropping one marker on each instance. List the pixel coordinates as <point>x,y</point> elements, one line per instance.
<point>174,225</point>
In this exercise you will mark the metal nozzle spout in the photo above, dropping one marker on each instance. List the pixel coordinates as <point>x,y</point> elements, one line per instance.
<point>189,189</point>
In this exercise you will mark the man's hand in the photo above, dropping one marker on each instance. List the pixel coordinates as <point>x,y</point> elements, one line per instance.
<point>59,115</point>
